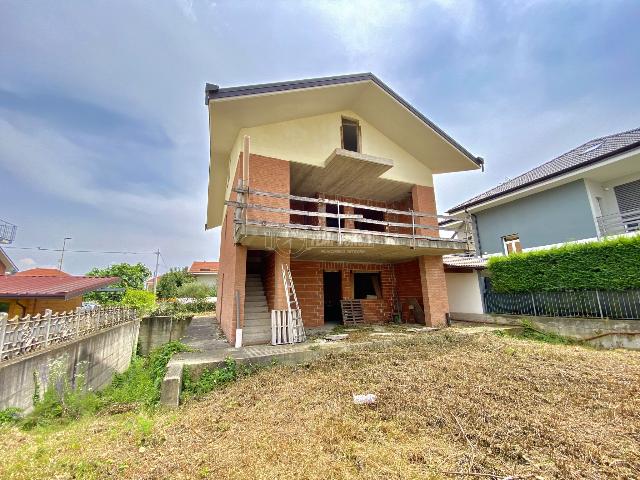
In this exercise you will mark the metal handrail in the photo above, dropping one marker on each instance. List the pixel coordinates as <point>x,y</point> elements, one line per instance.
<point>414,229</point>
<point>7,232</point>
<point>619,223</point>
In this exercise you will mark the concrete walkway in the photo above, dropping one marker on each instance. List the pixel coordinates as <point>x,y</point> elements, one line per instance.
<point>203,334</point>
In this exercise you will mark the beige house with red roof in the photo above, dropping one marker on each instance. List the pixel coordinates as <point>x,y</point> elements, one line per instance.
<point>23,294</point>
<point>205,272</point>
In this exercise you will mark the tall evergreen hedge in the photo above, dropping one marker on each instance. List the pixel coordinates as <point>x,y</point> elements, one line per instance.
<point>604,265</point>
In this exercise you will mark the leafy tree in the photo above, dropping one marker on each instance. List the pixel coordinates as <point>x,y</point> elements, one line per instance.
<point>195,290</point>
<point>143,301</point>
<point>131,277</point>
<point>169,283</point>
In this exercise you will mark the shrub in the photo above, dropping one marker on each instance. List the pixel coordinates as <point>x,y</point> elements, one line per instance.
<point>199,291</point>
<point>169,283</point>
<point>142,301</point>
<point>611,264</point>
<point>214,378</point>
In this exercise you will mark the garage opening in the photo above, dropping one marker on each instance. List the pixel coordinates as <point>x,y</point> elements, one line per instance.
<point>367,286</point>
<point>332,287</point>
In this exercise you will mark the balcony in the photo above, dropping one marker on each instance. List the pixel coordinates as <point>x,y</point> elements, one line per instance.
<point>622,223</point>
<point>7,232</point>
<point>335,230</point>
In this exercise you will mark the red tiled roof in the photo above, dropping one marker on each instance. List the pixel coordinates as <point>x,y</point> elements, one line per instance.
<point>42,272</point>
<point>204,267</point>
<point>20,286</point>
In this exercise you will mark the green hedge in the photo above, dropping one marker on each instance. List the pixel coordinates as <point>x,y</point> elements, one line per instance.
<point>604,265</point>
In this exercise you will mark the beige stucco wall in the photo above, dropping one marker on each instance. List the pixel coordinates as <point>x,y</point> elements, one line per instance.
<point>210,280</point>
<point>311,140</point>
<point>464,292</point>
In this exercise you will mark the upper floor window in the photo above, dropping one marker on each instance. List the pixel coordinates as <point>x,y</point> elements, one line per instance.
<point>350,133</point>
<point>511,244</point>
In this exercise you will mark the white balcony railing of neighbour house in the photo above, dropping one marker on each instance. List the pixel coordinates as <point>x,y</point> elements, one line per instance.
<point>619,223</point>
<point>22,335</point>
<point>409,224</point>
<point>7,232</point>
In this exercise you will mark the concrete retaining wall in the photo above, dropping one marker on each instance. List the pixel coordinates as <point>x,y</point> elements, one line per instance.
<point>156,331</point>
<point>605,333</point>
<point>105,353</point>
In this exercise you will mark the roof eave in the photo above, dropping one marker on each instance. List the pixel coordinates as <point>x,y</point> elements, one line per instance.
<point>465,206</point>
<point>214,92</point>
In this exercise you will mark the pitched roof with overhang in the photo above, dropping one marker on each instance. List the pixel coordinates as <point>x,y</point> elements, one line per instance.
<point>235,108</point>
<point>589,153</point>
<point>42,272</point>
<point>464,261</point>
<point>204,267</point>
<point>17,286</point>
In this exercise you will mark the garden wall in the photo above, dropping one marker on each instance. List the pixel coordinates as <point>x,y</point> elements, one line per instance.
<point>105,352</point>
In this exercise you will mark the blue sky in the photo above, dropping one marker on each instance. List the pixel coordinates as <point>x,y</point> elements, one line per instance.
<point>103,129</point>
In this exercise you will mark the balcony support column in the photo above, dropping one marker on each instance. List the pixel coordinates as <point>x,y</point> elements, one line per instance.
<point>434,290</point>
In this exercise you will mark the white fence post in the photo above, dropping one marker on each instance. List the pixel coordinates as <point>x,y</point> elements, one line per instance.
<point>533,302</point>
<point>4,317</point>
<point>78,312</point>
<point>47,317</point>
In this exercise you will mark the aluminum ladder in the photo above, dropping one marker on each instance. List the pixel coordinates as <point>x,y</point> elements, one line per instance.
<point>295,325</point>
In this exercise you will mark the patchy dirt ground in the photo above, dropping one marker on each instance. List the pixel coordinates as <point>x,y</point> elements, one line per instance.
<point>450,405</point>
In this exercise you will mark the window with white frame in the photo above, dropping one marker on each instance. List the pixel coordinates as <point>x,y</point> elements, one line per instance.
<point>511,244</point>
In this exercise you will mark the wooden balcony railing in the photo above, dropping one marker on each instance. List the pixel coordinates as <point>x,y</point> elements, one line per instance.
<point>619,223</point>
<point>273,210</point>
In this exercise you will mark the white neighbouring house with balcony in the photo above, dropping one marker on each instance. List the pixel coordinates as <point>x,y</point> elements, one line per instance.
<point>588,193</point>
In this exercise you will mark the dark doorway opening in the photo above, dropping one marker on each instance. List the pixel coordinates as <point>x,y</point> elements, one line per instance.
<point>332,286</point>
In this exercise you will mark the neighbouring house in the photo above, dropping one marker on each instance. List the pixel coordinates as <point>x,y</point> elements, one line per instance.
<point>205,272</point>
<point>331,178</point>
<point>148,285</point>
<point>22,294</point>
<point>590,192</point>
<point>42,272</point>
<point>6,264</point>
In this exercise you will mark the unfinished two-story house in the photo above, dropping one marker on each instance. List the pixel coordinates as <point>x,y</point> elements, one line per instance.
<point>330,179</point>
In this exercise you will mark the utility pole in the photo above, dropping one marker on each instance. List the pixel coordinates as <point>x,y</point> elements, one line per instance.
<point>64,244</point>
<point>155,274</point>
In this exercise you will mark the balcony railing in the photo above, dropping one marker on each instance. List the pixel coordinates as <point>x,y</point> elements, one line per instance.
<point>619,223</point>
<point>346,218</point>
<point>7,232</point>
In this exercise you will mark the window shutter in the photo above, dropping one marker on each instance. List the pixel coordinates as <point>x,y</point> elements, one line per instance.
<point>628,196</point>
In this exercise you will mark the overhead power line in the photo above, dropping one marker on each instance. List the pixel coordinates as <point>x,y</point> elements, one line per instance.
<point>43,249</point>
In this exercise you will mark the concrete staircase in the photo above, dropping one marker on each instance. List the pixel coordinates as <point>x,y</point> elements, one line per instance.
<point>257,320</point>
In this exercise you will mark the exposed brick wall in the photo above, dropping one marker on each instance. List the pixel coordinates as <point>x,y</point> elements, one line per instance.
<point>308,280</point>
<point>424,200</point>
<point>269,175</point>
<point>269,279</point>
<point>409,286</point>
<point>434,290</point>
<point>232,272</point>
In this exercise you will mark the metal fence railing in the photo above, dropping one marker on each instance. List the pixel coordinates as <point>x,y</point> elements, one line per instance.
<point>623,305</point>
<point>7,232</point>
<point>21,335</point>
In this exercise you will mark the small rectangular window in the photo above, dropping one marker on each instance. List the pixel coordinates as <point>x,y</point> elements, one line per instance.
<point>367,286</point>
<point>350,130</point>
<point>511,244</point>
<point>4,307</point>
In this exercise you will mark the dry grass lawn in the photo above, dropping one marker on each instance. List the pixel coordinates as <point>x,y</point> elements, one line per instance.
<point>450,405</point>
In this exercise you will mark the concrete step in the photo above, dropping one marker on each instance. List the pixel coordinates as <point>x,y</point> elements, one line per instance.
<point>255,302</point>
<point>251,312</point>
<point>257,319</point>
<point>256,297</point>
